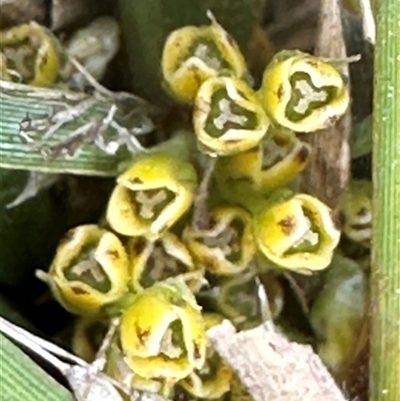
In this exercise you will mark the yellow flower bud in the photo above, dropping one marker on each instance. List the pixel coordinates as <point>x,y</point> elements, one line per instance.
<point>228,117</point>
<point>297,233</point>
<point>284,157</point>
<point>355,211</point>
<point>193,54</point>
<point>227,246</point>
<point>162,333</point>
<point>89,270</point>
<point>154,193</point>
<point>339,315</point>
<point>274,163</point>
<point>303,93</point>
<point>151,262</point>
<point>32,54</point>
<point>213,380</point>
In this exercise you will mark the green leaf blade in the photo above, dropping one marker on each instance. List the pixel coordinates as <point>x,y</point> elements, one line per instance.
<point>22,379</point>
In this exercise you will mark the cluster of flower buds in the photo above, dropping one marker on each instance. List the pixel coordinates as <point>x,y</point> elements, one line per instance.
<point>167,276</point>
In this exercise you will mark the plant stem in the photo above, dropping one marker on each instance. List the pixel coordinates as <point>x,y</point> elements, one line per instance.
<point>385,278</point>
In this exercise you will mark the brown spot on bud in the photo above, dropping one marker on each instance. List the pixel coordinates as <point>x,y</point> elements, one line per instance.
<point>78,291</point>
<point>196,351</point>
<point>288,224</point>
<point>303,154</point>
<point>362,212</point>
<point>135,180</point>
<point>114,254</point>
<point>280,92</point>
<point>142,334</point>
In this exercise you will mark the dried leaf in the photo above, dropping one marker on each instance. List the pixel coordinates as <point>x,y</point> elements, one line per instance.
<point>271,367</point>
<point>329,169</point>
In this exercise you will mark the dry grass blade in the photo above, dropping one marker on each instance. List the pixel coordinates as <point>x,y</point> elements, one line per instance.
<point>328,173</point>
<point>271,367</point>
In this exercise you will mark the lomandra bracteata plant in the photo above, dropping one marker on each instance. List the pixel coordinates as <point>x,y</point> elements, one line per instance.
<point>169,277</point>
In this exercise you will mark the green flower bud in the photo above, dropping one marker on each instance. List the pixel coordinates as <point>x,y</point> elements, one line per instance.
<point>227,246</point>
<point>339,314</point>
<point>303,93</point>
<point>151,262</point>
<point>151,195</point>
<point>32,54</point>
<point>88,337</point>
<point>213,380</point>
<point>89,270</point>
<point>228,117</point>
<point>162,333</point>
<point>275,162</point>
<point>236,298</point>
<point>297,233</point>
<point>355,211</point>
<point>192,55</point>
